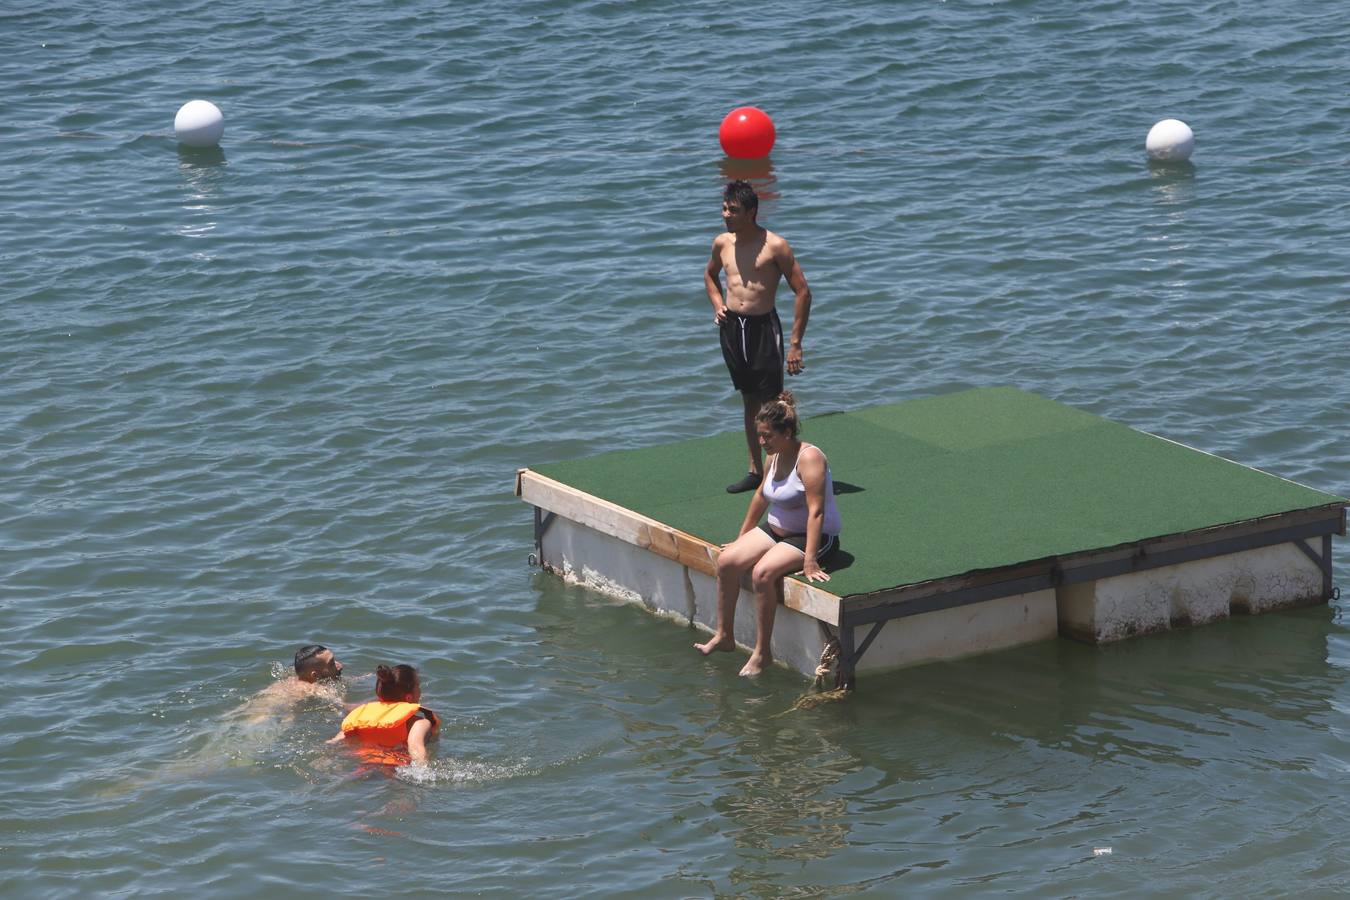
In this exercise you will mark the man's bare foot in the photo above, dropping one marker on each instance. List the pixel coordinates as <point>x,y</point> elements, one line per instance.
<point>717,643</point>
<point>756,664</point>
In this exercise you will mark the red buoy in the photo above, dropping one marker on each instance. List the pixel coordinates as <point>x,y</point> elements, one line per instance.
<point>746,133</point>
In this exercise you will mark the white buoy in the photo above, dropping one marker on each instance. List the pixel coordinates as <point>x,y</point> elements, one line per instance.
<point>199,124</point>
<point>1170,140</point>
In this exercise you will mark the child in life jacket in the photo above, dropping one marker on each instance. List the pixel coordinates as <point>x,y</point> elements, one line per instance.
<point>394,729</point>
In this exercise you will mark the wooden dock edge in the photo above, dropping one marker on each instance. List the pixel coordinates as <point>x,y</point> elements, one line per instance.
<point>648,534</point>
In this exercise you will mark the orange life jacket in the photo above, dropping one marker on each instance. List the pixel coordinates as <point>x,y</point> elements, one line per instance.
<point>379,731</point>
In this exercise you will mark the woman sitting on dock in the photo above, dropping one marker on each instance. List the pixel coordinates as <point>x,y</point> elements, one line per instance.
<point>394,729</point>
<point>803,529</point>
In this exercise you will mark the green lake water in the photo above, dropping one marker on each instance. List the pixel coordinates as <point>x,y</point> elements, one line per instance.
<point>277,394</point>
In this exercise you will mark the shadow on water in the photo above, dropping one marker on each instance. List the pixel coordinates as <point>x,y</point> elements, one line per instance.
<point>1172,181</point>
<point>766,781</point>
<point>778,778</point>
<point>1180,699</point>
<point>201,157</point>
<point>1171,169</point>
<point>759,172</point>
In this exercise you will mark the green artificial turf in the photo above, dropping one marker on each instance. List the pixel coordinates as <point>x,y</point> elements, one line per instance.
<point>952,484</point>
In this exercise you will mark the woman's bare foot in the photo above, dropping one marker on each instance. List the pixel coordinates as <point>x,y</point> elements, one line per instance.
<point>756,664</point>
<point>717,643</point>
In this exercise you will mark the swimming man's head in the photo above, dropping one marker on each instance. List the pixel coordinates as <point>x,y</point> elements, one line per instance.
<point>315,662</point>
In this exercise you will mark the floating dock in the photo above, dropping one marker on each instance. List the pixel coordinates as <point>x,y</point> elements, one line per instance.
<point>979,520</point>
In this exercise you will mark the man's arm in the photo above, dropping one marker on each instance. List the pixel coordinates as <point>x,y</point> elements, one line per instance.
<point>713,284</point>
<point>801,308</point>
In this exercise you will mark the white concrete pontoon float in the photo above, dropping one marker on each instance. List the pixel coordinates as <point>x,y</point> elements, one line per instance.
<point>979,520</point>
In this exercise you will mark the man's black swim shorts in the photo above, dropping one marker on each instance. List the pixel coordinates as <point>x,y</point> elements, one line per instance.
<point>753,349</point>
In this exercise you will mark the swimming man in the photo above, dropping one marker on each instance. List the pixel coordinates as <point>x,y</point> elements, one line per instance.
<point>755,259</point>
<point>316,675</point>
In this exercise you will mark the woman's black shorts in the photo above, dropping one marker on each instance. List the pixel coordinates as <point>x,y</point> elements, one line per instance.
<point>828,542</point>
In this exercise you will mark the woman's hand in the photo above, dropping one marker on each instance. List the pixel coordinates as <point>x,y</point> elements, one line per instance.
<point>812,571</point>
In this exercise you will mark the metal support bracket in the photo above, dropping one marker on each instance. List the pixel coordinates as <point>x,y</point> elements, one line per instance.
<point>1322,562</point>
<point>1327,586</point>
<point>867,642</point>
<point>542,521</point>
<point>844,675</point>
<point>849,656</point>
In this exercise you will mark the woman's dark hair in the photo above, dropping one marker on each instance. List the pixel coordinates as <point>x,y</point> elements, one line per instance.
<point>742,193</point>
<point>395,684</point>
<point>780,414</point>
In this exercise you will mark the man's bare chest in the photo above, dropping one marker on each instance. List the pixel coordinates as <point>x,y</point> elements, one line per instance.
<point>751,267</point>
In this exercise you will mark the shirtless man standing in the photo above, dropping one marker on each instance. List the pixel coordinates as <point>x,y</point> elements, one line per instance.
<point>752,337</point>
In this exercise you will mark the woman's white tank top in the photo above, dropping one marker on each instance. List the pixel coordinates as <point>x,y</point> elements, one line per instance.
<point>787,500</point>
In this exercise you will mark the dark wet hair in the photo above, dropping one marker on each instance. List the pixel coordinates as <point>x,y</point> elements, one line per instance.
<point>780,414</point>
<point>304,658</point>
<point>395,684</point>
<point>742,193</point>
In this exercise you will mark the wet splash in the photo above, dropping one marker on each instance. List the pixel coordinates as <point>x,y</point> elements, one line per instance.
<point>453,772</point>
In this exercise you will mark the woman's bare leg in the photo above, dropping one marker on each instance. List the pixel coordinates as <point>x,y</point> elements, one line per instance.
<point>735,560</point>
<point>780,560</point>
